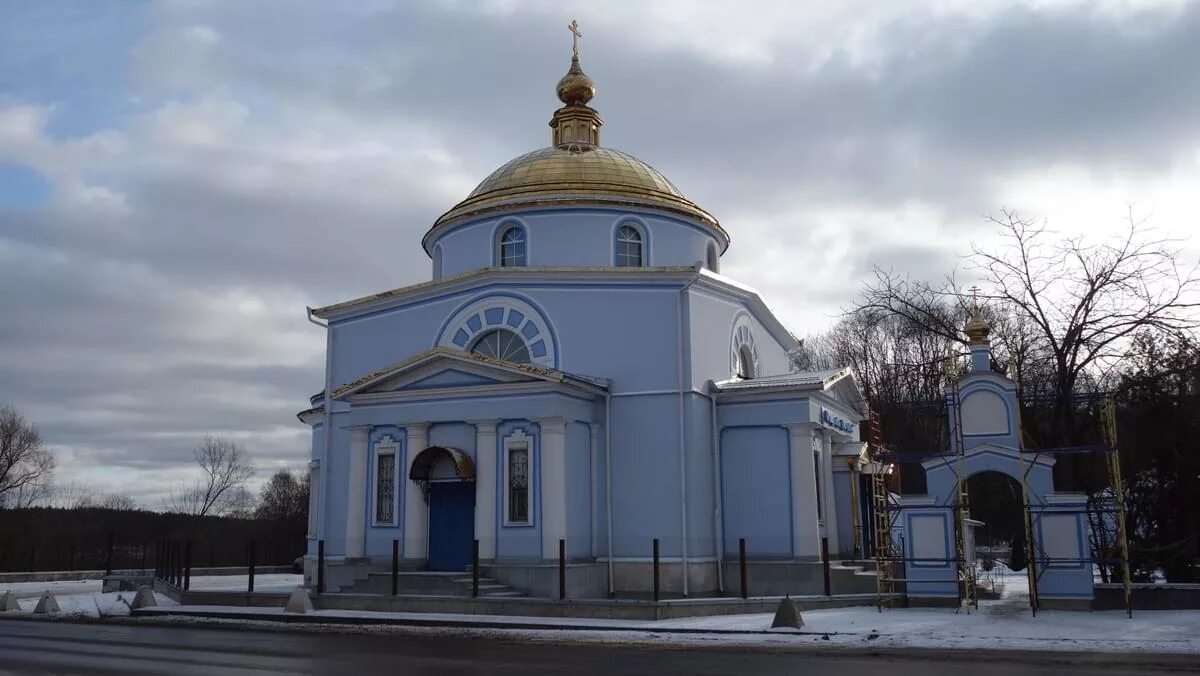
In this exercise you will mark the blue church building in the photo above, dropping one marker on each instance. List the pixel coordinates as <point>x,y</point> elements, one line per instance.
<point>578,370</point>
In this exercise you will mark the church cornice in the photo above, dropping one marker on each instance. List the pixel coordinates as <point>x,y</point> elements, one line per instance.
<point>468,280</point>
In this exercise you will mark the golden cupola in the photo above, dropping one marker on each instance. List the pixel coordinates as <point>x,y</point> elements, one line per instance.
<point>574,169</point>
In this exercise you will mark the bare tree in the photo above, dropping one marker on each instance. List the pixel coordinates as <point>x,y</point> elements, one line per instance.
<point>225,467</point>
<point>118,502</point>
<point>1085,302</point>
<point>241,504</point>
<point>73,495</point>
<point>1063,309</point>
<point>26,466</point>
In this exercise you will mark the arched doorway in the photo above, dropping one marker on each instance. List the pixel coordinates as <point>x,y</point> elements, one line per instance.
<point>447,477</point>
<point>996,502</point>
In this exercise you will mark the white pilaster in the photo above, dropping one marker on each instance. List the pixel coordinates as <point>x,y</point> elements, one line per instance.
<point>416,512</point>
<point>356,492</point>
<point>594,449</point>
<point>827,493</point>
<point>553,483</point>
<point>806,537</point>
<point>485,487</point>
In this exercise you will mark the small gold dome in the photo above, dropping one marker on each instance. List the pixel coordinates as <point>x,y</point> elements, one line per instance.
<point>575,88</point>
<point>569,176</point>
<point>977,328</point>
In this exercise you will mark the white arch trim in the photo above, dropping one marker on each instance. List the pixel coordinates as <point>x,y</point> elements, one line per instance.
<point>501,312</point>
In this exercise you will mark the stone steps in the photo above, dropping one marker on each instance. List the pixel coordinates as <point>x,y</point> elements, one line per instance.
<point>432,583</point>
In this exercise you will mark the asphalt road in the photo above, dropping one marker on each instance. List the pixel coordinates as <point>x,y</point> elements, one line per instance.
<point>31,647</point>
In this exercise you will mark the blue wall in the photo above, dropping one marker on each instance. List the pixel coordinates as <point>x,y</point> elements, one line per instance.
<point>755,467</point>
<point>645,466</point>
<point>577,237</point>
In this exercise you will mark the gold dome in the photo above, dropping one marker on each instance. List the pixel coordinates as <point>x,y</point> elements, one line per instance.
<point>568,175</point>
<point>977,328</point>
<point>576,170</point>
<point>575,88</point>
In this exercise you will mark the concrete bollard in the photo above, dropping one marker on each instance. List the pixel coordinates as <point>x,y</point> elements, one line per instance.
<point>299,602</point>
<point>144,598</point>
<point>787,615</point>
<point>8,601</point>
<point>46,604</point>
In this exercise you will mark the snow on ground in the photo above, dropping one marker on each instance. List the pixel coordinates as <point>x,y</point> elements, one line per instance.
<point>275,582</point>
<point>1002,623</point>
<point>96,604</point>
<point>28,589</point>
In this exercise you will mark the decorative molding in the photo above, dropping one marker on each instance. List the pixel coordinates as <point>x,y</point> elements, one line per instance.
<point>386,445</point>
<point>518,439</point>
<point>501,311</point>
<point>742,336</point>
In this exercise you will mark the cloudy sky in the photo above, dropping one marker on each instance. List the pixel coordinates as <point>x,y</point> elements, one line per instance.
<point>178,180</point>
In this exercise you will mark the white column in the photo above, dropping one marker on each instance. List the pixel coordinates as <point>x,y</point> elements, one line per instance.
<point>827,493</point>
<point>597,444</point>
<point>806,537</point>
<point>552,479</point>
<point>485,487</point>
<point>356,492</point>
<point>416,512</point>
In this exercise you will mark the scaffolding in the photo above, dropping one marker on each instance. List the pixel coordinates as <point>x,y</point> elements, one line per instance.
<point>1104,506</point>
<point>1107,505</point>
<point>883,518</point>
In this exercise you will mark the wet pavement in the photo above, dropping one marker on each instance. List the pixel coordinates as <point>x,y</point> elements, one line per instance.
<point>38,647</point>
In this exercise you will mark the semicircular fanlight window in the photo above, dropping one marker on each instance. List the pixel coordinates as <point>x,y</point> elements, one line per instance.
<point>502,344</point>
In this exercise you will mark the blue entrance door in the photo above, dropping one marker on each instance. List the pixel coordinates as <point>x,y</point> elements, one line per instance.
<point>451,524</point>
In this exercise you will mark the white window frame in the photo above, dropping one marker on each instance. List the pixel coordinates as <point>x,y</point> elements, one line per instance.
<point>386,446</point>
<point>518,440</point>
<point>524,241</point>
<point>314,484</point>
<point>641,242</point>
<point>712,257</point>
<point>745,362</point>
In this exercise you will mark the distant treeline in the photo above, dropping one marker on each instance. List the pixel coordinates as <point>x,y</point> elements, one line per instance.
<point>45,538</point>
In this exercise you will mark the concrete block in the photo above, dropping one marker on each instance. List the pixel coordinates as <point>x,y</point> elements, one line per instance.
<point>787,616</point>
<point>8,601</point>
<point>299,602</point>
<point>144,598</point>
<point>46,604</point>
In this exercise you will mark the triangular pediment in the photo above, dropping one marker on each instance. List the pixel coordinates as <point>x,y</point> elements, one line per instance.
<point>441,369</point>
<point>843,388</point>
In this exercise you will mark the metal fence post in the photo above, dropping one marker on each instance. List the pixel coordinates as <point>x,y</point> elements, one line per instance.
<point>562,569</point>
<point>250,582</point>
<point>320,566</point>
<point>395,567</point>
<point>742,566</point>
<point>656,569</point>
<point>475,569</point>
<point>187,565</point>
<point>825,564</point>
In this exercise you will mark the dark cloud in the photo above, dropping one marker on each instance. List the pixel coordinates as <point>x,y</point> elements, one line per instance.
<point>257,157</point>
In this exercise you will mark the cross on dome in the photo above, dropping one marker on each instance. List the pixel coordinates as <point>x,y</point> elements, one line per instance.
<point>574,28</point>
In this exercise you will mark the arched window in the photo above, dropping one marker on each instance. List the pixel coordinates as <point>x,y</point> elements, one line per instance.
<point>714,260</point>
<point>502,344</point>
<point>745,363</point>
<point>437,262</point>
<point>629,247</point>
<point>512,247</point>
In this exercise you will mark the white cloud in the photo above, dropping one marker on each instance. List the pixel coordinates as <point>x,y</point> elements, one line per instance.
<point>255,158</point>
